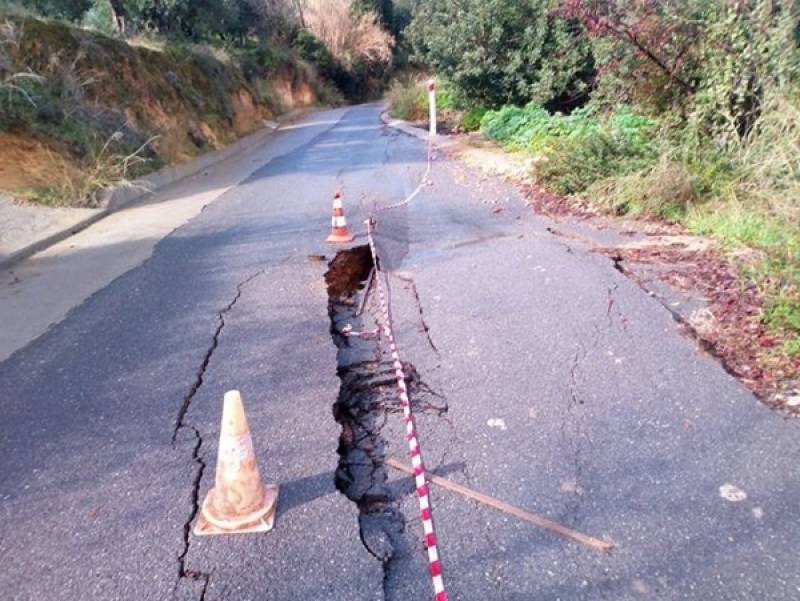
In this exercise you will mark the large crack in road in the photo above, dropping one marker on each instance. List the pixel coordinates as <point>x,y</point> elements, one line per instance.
<point>361,410</point>
<point>367,397</point>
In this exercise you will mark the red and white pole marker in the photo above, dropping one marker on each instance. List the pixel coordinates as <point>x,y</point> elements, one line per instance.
<point>339,232</point>
<point>432,105</point>
<point>414,449</point>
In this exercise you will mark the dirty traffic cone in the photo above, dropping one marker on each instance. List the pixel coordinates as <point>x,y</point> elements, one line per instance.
<point>239,501</point>
<point>339,231</point>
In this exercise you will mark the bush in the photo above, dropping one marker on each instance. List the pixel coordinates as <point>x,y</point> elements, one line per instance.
<point>578,149</point>
<point>311,49</point>
<point>574,163</point>
<point>408,98</point>
<point>535,129</point>
<point>99,17</point>
<point>495,52</point>
<point>471,119</point>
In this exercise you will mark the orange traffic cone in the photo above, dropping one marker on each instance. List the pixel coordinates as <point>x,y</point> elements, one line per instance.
<point>339,231</point>
<point>239,501</point>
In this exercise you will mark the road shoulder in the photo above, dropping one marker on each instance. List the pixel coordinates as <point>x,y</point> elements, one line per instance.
<point>39,291</point>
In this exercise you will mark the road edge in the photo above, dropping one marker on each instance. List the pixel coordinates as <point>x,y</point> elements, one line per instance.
<point>124,196</point>
<point>416,132</point>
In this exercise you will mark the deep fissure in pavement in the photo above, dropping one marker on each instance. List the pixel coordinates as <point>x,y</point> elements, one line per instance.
<point>197,457</point>
<point>361,409</point>
<point>367,397</point>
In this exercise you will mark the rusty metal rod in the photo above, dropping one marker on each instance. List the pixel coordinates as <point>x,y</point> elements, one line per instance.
<point>527,516</point>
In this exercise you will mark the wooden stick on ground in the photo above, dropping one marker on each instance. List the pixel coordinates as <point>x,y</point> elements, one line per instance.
<point>549,525</point>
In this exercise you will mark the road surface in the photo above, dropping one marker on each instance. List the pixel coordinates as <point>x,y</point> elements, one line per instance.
<point>542,376</point>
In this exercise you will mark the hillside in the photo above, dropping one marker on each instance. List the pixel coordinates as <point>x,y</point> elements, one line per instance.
<point>80,110</point>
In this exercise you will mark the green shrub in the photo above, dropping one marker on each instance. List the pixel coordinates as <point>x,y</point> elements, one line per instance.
<point>574,163</point>
<point>580,148</point>
<point>471,119</point>
<point>99,17</point>
<point>533,128</point>
<point>408,98</point>
<point>445,99</point>
<point>501,51</point>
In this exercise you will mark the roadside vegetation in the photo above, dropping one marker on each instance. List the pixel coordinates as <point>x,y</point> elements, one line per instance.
<point>683,111</point>
<point>94,93</point>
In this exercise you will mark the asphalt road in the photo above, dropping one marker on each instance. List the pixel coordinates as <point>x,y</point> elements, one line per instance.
<point>569,392</point>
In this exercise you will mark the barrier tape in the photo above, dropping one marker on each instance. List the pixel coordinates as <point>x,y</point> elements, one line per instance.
<point>422,184</point>
<point>414,449</point>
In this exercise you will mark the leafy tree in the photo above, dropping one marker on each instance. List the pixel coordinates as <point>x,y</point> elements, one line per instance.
<point>647,51</point>
<point>383,8</point>
<point>65,9</point>
<point>503,51</point>
<point>714,62</point>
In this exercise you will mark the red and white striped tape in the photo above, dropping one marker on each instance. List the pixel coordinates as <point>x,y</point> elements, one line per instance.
<point>423,182</point>
<point>414,449</point>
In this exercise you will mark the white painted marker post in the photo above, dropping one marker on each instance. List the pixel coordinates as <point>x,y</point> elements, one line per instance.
<point>432,105</point>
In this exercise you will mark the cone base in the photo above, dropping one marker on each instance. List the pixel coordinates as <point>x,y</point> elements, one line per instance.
<point>339,238</point>
<point>264,523</point>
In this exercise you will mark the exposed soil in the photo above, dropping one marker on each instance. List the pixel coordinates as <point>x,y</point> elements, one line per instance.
<point>730,328</point>
<point>27,163</point>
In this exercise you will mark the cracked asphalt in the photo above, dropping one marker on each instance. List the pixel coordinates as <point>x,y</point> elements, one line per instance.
<point>570,392</point>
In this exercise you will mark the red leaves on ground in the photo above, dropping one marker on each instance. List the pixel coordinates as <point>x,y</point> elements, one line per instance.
<point>732,328</point>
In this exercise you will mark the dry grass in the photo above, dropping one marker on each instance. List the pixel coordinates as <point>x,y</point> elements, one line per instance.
<point>148,41</point>
<point>408,98</point>
<point>87,186</point>
<point>665,190</point>
<point>349,36</point>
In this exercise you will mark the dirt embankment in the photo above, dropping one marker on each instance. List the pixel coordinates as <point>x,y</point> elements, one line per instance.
<point>86,101</point>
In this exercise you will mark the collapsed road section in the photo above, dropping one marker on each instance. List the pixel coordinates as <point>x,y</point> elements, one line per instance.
<point>361,409</point>
<point>366,399</point>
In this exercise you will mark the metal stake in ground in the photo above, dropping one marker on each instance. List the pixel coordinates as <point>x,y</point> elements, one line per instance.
<point>542,522</point>
<point>414,450</point>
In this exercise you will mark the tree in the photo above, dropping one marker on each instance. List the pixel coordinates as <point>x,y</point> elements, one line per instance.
<point>351,36</point>
<point>503,51</point>
<point>72,10</point>
<point>120,15</point>
<point>652,45</point>
<point>713,61</point>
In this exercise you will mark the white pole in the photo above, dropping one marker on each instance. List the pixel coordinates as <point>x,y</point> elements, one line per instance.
<point>432,105</point>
